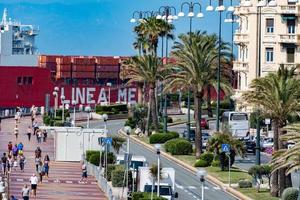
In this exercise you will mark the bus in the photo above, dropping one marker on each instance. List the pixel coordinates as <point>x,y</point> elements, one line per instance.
<point>236,122</point>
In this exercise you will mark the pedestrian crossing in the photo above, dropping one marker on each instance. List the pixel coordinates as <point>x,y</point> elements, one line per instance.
<point>191,187</point>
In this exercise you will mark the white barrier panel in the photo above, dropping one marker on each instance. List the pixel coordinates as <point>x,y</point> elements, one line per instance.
<point>70,143</point>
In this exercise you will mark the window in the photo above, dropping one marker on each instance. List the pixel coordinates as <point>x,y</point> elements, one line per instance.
<point>24,80</point>
<point>269,55</point>
<point>291,26</point>
<point>29,80</point>
<point>270,25</point>
<point>290,55</point>
<point>19,80</point>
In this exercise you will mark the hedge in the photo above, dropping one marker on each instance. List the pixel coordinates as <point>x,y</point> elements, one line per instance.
<point>145,196</point>
<point>208,157</point>
<point>89,153</point>
<point>111,158</point>
<point>95,159</point>
<point>215,163</point>
<point>201,163</point>
<point>112,109</point>
<point>290,193</point>
<point>111,168</point>
<point>245,184</point>
<point>179,146</point>
<point>117,177</point>
<point>162,137</point>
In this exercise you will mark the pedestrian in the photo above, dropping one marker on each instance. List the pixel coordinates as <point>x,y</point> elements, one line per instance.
<point>39,135</point>
<point>16,118</point>
<point>20,146</point>
<point>33,181</point>
<point>41,171</point>
<point>84,172</point>
<point>35,127</point>
<point>46,165</point>
<point>45,134</point>
<point>12,197</point>
<point>25,192</point>
<point>0,122</point>
<point>10,163</point>
<point>37,162</point>
<point>16,131</point>
<point>22,162</point>
<point>4,163</point>
<point>29,131</point>
<point>9,147</point>
<point>15,151</point>
<point>15,164</point>
<point>38,152</point>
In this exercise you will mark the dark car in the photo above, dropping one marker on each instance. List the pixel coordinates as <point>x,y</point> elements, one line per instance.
<point>205,135</point>
<point>250,146</point>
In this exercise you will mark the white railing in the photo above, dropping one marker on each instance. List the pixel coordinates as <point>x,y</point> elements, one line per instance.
<point>240,66</point>
<point>290,9</point>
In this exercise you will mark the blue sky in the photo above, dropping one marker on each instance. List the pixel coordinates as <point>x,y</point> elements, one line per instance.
<point>96,27</point>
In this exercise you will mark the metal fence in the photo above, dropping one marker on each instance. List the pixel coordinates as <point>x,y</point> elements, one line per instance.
<point>102,182</point>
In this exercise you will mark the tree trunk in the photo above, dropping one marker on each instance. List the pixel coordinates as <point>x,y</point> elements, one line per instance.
<point>208,101</point>
<point>152,99</point>
<point>198,97</point>
<point>282,179</point>
<point>148,122</point>
<point>288,181</point>
<point>274,177</point>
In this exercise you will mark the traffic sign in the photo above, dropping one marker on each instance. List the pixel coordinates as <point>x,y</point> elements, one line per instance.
<point>103,141</point>
<point>225,148</point>
<point>267,121</point>
<point>108,140</point>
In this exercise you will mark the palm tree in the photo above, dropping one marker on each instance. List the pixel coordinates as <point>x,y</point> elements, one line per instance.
<point>195,56</point>
<point>154,175</point>
<point>150,29</point>
<point>117,143</point>
<point>277,95</point>
<point>146,68</point>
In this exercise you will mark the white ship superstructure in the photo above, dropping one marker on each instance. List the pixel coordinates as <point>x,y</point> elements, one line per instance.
<point>17,43</point>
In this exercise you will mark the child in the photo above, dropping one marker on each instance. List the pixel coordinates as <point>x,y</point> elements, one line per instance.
<point>15,164</point>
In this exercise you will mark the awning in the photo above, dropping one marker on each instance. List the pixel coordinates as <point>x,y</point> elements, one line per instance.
<point>289,45</point>
<point>288,17</point>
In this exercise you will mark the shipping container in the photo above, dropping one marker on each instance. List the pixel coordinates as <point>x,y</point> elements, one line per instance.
<point>106,68</point>
<point>61,68</point>
<point>83,61</point>
<point>83,68</point>
<point>64,60</point>
<point>63,75</point>
<point>107,60</point>
<point>83,75</point>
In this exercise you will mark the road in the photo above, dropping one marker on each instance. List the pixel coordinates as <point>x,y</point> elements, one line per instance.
<point>187,184</point>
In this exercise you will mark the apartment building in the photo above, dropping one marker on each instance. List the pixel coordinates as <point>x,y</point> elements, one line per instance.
<point>267,36</point>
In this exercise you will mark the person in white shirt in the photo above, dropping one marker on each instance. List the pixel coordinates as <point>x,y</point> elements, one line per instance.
<point>33,181</point>
<point>25,192</point>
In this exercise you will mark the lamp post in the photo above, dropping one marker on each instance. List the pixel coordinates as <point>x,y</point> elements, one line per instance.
<point>201,174</point>
<point>257,146</point>
<point>55,94</point>
<point>157,147</point>
<point>167,13</point>
<point>127,129</point>
<point>108,85</point>
<point>220,8</point>
<point>105,118</point>
<point>88,110</point>
<point>74,111</point>
<point>231,18</point>
<point>191,15</point>
<point>142,15</point>
<point>62,98</point>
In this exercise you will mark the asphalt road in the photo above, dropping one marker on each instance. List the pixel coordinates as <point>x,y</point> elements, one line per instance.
<point>187,184</point>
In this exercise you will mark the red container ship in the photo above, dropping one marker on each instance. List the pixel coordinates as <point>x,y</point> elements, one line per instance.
<point>27,78</point>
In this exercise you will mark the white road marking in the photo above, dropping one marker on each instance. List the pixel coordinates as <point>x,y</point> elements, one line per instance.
<point>206,188</point>
<point>217,188</point>
<point>192,187</point>
<point>179,186</point>
<point>20,179</point>
<point>69,181</point>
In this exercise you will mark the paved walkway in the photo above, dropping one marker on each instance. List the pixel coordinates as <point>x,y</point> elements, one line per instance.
<point>63,182</point>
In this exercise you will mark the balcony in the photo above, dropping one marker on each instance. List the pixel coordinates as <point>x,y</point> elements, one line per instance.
<point>289,9</point>
<point>241,37</point>
<point>289,38</point>
<point>241,66</point>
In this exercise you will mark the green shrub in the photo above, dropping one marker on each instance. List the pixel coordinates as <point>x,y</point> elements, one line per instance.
<point>111,158</point>
<point>215,163</point>
<point>162,137</point>
<point>245,184</point>
<point>201,163</point>
<point>95,159</point>
<point>290,193</point>
<point>105,112</point>
<point>117,177</point>
<point>145,196</point>
<point>112,109</point>
<point>208,157</point>
<point>179,146</point>
<point>111,168</point>
<point>88,154</point>
<point>131,122</point>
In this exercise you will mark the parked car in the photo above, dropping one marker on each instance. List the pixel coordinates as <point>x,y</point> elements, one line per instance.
<point>268,143</point>
<point>250,146</point>
<point>205,135</point>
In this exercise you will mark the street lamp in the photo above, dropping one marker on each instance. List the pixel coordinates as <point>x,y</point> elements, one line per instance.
<point>231,18</point>
<point>74,111</point>
<point>142,15</point>
<point>201,174</point>
<point>105,118</point>
<point>62,98</point>
<point>191,15</point>
<point>55,94</point>
<point>88,110</point>
<point>157,147</point>
<point>127,130</point>
<point>108,85</point>
<point>220,8</point>
<point>167,13</point>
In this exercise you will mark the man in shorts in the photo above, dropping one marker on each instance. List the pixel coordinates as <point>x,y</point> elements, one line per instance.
<point>25,192</point>
<point>84,172</point>
<point>33,181</point>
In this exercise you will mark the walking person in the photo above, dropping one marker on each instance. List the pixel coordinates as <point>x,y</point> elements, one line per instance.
<point>37,163</point>
<point>25,192</point>
<point>9,147</point>
<point>15,151</point>
<point>20,146</point>
<point>29,131</point>
<point>41,171</point>
<point>10,162</point>
<point>4,163</point>
<point>38,152</point>
<point>15,164</point>
<point>39,135</point>
<point>16,131</point>
<point>33,181</point>
<point>22,162</point>
<point>84,172</point>
<point>45,134</point>
<point>35,127</point>
<point>0,122</point>
<point>46,165</point>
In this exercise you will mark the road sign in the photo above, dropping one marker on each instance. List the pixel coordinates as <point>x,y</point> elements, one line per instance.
<point>103,141</point>
<point>225,148</point>
<point>267,121</point>
<point>108,140</point>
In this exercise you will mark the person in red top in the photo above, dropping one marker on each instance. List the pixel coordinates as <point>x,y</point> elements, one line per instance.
<point>9,147</point>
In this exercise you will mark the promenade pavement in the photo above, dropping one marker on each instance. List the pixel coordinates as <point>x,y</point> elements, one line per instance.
<point>64,177</point>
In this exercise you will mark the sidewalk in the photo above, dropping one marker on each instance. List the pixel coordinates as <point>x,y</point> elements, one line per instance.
<point>63,182</point>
